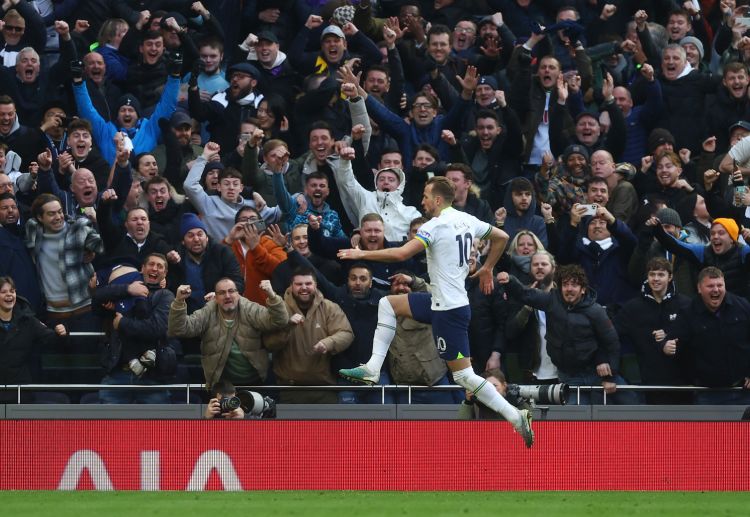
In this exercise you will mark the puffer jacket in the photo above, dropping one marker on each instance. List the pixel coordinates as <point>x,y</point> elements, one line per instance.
<point>294,359</point>
<point>216,339</point>
<point>359,201</point>
<point>579,337</point>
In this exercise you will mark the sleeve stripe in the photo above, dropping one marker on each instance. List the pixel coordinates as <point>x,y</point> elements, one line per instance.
<point>424,241</point>
<point>486,234</point>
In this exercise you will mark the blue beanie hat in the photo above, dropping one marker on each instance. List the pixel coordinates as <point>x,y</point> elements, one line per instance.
<point>190,222</point>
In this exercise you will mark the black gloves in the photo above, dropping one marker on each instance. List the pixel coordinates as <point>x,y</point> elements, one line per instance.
<point>174,63</point>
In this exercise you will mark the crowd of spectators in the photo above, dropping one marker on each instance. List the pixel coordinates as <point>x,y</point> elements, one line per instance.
<point>180,175</point>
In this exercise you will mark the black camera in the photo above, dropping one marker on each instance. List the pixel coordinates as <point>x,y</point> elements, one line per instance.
<point>229,404</point>
<point>554,394</point>
<point>252,403</point>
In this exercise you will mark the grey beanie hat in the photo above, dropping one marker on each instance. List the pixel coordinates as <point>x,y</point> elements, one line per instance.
<point>669,216</point>
<point>695,41</point>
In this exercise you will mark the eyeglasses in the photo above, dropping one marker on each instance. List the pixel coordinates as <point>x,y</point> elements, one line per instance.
<point>464,30</point>
<point>422,106</point>
<point>6,186</point>
<point>14,28</point>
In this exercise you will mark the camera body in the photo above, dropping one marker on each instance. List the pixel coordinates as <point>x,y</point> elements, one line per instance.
<point>251,402</point>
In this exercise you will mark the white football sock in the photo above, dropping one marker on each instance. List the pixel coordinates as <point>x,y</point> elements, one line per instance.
<point>384,333</point>
<point>487,395</point>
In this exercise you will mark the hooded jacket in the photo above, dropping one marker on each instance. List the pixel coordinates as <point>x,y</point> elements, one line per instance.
<point>359,201</point>
<point>514,223</point>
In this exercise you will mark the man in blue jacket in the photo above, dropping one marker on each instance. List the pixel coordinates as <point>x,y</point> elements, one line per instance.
<point>143,131</point>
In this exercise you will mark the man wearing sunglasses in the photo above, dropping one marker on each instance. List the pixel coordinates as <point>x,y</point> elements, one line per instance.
<point>22,26</point>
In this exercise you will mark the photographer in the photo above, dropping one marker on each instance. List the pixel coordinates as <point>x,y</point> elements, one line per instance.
<point>222,391</point>
<point>472,409</point>
<point>257,253</point>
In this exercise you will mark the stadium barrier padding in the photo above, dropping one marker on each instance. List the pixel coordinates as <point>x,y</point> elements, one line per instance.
<point>371,455</point>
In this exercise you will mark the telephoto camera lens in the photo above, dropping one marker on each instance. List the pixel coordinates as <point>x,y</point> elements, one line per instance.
<point>555,394</point>
<point>255,404</point>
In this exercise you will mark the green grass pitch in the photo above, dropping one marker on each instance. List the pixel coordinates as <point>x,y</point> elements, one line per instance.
<point>362,504</point>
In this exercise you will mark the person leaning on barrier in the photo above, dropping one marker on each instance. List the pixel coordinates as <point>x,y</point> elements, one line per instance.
<point>230,329</point>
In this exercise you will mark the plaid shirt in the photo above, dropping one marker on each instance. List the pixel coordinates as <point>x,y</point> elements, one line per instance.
<point>80,237</point>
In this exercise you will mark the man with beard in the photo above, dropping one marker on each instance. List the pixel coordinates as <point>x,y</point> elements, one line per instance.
<point>15,260</point>
<point>581,340</point>
<point>138,351</point>
<point>651,321</point>
<point>83,198</point>
<point>230,329</point>
<point>527,327</point>
<point>371,237</point>
<point>563,184</point>
<point>142,131</point>
<point>178,132</point>
<point>316,193</point>
<point>386,200</point>
<point>722,252</point>
<point>226,110</point>
<point>202,263</point>
<point>317,330</point>
<point>359,301</point>
<point>466,200</point>
<point>448,239</point>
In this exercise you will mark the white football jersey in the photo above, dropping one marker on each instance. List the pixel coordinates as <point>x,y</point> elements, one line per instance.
<point>448,239</point>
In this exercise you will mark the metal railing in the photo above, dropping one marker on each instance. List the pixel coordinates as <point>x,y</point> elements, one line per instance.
<point>383,388</point>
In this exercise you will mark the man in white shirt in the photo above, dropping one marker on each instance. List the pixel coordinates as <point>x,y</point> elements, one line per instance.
<point>447,239</point>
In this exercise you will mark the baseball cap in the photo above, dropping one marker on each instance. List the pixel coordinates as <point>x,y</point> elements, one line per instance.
<point>332,29</point>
